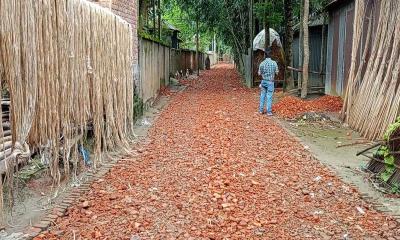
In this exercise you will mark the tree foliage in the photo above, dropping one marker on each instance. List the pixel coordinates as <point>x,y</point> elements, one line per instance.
<point>270,10</point>
<point>184,18</point>
<point>228,19</point>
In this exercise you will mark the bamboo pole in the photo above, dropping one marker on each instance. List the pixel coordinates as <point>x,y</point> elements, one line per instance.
<point>358,23</point>
<point>372,99</point>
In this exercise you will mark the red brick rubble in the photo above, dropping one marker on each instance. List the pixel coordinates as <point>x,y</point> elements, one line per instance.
<point>215,169</point>
<point>292,107</point>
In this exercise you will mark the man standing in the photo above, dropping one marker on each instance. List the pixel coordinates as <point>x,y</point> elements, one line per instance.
<point>208,63</point>
<point>268,69</point>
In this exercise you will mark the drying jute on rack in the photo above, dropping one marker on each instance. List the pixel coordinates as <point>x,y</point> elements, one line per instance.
<point>68,65</point>
<point>373,96</point>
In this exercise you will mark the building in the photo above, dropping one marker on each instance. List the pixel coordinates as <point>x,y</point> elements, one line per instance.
<point>331,43</point>
<point>340,38</point>
<point>318,35</point>
<point>340,41</point>
<point>174,35</point>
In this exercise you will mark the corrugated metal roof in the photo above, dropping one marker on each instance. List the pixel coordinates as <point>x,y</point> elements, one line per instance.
<point>314,22</point>
<point>335,3</point>
<point>170,26</point>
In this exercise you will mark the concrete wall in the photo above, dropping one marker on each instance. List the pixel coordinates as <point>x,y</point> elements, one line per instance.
<point>154,62</point>
<point>213,58</point>
<point>157,63</point>
<point>182,59</point>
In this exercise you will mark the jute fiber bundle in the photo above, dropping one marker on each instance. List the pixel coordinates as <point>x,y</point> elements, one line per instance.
<point>68,65</point>
<point>373,97</point>
<point>19,64</point>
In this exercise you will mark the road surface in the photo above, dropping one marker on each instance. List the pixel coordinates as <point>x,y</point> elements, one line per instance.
<point>215,169</point>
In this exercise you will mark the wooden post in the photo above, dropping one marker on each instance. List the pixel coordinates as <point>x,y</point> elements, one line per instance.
<point>144,14</point>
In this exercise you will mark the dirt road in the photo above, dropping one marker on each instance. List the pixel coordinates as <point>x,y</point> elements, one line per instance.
<point>214,169</point>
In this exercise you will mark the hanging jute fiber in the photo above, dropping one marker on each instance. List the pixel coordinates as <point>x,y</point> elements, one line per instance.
<point>373,96</point>
<point>68,65</point>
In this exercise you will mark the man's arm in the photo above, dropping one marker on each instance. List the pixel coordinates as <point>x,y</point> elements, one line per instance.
<point>259,70</point>
<point>276,69</point>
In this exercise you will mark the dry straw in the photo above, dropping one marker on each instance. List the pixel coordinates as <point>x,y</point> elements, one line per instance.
<point>373,97</point>
<point>68,65</point>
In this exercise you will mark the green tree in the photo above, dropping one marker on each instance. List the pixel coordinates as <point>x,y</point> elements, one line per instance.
<point>229,19</point>
<point>177,15</point>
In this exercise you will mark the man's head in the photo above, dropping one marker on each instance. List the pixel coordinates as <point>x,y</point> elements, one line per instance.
<point>267,52</point>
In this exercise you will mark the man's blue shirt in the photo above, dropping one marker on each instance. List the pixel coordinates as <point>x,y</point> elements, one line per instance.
<point>268,68</point>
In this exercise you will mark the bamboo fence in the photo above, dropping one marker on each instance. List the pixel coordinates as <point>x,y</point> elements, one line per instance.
<point>68,65</point>
<point>373,96</point>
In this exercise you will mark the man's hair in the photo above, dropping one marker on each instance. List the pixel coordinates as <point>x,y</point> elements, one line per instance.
<point>267,52</point>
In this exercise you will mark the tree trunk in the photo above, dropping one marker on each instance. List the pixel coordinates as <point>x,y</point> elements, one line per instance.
<point>289,42</point>
<point>323,50</point>
<point>304,87</point>
<point>159,19</point>
<point>197,47</point>
<point>237,45</point>
<point>257,25</point>
<point>144,14</point>
<point>266,28</point>
<point>154,17</point>
<point>251,27</point>
<point>301,37</point>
